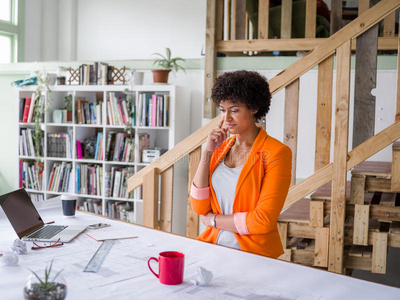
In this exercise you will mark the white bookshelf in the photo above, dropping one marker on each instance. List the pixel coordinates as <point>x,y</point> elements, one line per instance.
<point>161,137</point>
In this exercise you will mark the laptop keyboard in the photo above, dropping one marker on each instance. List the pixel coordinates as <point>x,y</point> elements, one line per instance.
<point>46,232</point>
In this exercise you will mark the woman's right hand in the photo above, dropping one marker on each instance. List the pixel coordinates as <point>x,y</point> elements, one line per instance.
<point>215,138</point>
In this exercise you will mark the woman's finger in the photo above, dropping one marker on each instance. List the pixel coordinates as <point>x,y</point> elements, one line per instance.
<point>221,122</point>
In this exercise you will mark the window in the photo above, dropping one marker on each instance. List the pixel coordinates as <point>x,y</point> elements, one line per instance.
<point>11,30</point>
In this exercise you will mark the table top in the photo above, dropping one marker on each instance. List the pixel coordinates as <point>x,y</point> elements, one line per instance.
<point>124,273</point>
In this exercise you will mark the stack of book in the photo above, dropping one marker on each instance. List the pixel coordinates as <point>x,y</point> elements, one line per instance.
<point>120,111</point>
<point>27,144</point>
<point>89,179</point>
<point>36,197</point>
<point>92,205</point>
<point>30,175</point>
<point>59,178</point>
<point>27,107</point>
<point>120,210</point>
<point>120,147</point>
<point>89,113</point>
<point>59,144</point>
<point>116,182</point>
<point>98,74</point>
<point>153,110</point>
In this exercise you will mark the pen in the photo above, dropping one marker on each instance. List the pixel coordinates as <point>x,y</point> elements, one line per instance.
<point>49,223</point>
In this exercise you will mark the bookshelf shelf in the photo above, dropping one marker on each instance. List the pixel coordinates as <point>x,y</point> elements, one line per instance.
<point>56,175</point>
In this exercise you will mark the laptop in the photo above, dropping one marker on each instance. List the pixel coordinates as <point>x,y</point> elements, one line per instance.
<point>28,224</point>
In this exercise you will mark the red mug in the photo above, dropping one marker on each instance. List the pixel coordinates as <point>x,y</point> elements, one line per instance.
<point>170,267</point>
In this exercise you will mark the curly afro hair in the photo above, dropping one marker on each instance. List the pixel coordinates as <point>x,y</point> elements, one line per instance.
<point>247,87</point>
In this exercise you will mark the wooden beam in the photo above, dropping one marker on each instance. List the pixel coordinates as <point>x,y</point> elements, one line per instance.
<point>365,81</point>
<point>220,20</point>
<point>311,18</point>
<point>192,223</point>
<point>389,25</point>
<point>328,47</point>
<point>263,19</point>
<point>227,20</point>
<point>363,6</point>
<point>166,199</point>
<point>395,180</point>
<point>286,19</point>
<point>150,198</point>
<point>357,189</point>
<point>240,20</point>
<point>339,170</point>
<point>321,247</point>
<point>282,229</point>
<point>291,122</point>
<point>295,44</point>
<point>336,16</point>
<point>379,252</point>
<point>361,224</point>
<point>397,113</point>
<point>324,113</point>
<point>209,110</point>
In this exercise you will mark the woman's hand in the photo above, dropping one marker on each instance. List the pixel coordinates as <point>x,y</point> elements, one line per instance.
<point>215,138</point>
<point>206,219</point>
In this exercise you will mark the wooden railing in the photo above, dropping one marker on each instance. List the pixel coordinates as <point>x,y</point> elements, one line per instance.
<point>322,55</point>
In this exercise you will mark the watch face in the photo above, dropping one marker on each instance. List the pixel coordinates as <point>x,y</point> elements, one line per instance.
<point>212,222</point>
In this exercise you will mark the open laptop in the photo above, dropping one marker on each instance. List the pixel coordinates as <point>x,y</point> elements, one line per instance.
<point>28,224</point>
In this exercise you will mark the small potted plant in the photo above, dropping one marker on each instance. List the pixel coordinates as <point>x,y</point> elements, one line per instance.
<point>68,107</point>
<point>165,64</point>
<point>45,288</point>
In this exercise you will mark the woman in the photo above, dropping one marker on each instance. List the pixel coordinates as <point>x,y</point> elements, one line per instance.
<point>241,183</point>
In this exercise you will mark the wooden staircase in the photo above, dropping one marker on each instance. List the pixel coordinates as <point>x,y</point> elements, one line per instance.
<point>372,219</point>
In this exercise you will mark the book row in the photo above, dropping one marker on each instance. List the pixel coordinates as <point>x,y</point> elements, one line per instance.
<point>91,205</point>
<point>27,108</point>
<point>30,175</point>
<point>120,210</point>
<point>89,113</point>
<point>97,74</point>
<point>59,178</point>
<point>116,182</point>
<point>27,143</point>
<point>36,197</point>
<point>59,144</point>
<point>120,111</point>
<point>153,110</point>
<point>120,146</point>
<point>89,179</point>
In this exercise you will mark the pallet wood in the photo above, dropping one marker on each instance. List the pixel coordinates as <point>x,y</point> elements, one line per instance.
<point>286,19</point>
<point>192,219</point>
<point>325,192</point>
<point>388,199</point>
<point>287,255</point>
<point>311,18</point>
<point>365,81</point>
<point>359,263</point>
<point>361,224</point>
<point>324,113</point>
<point>317,213</point>
<point>209,110</point>
<point>240,20</point>
<point>395,182</point>
<point>321,247</point>
<point>379,252</point>
<point>357,189</point>
<point>363,6</point>
<point>150,198</point>
<point>228,27</point>
<point>397,113</point>
<point>291,122</point>
<point>373,168</point>
<point>299,212</point>
<point>378,184</point>
<point>220,20</point>
<point>282,229</point>
<point>339,170</point>
<point>301,230</point>
<point>389,25</point>
<point>263,19</point>
<point>166,199</point>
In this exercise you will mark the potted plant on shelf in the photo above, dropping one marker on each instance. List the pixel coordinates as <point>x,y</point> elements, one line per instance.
<point>43,287</point>
<point>165,65</point>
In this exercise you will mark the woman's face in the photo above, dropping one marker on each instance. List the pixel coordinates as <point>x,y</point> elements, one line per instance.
<point>238,118</point>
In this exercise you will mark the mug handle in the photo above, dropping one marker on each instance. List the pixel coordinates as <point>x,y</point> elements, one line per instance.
<point>148,263</point>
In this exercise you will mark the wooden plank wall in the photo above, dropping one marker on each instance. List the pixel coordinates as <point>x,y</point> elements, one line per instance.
<point>339,170</point>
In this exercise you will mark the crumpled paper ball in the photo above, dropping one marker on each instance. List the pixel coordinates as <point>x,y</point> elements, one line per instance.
<point>19,247</point>
<point>203,277</point>
<point>9,258</point>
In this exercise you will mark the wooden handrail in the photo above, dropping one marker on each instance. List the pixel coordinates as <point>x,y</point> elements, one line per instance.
<point>294,71</point>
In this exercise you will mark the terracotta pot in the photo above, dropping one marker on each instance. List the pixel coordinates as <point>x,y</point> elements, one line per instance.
<point>160,76</point>
<point>69,116</point>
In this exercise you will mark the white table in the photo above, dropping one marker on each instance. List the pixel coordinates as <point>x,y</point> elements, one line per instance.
<point>125,275</point>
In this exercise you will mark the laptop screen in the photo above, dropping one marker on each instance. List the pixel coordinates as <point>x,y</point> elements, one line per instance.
<point>21,212</point>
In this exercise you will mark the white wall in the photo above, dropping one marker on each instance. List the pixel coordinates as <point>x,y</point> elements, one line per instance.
<point>91,30</point>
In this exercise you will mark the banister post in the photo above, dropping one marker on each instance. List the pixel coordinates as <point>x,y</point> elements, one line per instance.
<point>192,223</point>
<point>150,198</point>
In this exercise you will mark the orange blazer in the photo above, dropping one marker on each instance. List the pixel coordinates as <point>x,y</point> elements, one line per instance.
<point>260,193</point>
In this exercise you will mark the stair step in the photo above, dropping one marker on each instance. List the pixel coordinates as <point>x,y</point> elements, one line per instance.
<point>381,169</point>
<point>297,212</point>
<point>325,192</point>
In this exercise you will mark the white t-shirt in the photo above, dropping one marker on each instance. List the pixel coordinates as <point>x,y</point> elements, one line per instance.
<point>224,181</point>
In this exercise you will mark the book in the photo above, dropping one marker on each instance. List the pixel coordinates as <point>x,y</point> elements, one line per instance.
<point>79,110</point>
<point>79,149</point>
<point>154,110</point>
<point>26,110</point>
<point>21,108</point>
<point>31,108</point>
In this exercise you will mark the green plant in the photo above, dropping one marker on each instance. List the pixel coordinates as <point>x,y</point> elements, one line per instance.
<point>46,284</point>
<point>68,100</point>
<point>167,62</point>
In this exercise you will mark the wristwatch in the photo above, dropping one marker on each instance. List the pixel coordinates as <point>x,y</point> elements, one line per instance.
<point>212,221</point>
